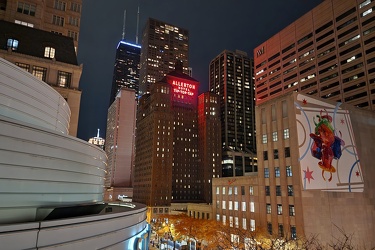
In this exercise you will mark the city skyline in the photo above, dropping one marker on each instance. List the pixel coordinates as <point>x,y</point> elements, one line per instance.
<point>241,30</point>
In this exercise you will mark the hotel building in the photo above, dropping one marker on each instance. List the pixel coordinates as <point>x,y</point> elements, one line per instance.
<point>328,53</point>
<point>231,78</point>
<point>168,165</point>
<point>162,44</point>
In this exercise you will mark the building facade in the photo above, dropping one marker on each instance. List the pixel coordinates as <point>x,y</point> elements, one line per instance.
<point>299,192</point>
<point>60,17</point>
<point>231,78</point>
<point>162,44</point>
<point>209,142</point>
<point>97,140</point>
<point>169,168</point>
<point>49,57</point>
<point>120,140</point>
<point>126,70</point>
<point>328,53</point>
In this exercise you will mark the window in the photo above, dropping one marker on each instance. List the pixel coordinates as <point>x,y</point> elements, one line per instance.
<point>236,222</point>
<point>265,155</point>
<point>74,21</point>
<point>75,7</point>
<point>73,34</point>
<point>244,223</point>
<point>279,209</point>
<point>252,206</point>
<point>12,44</point>
<point>287,152</point>
<point>277,171</point>
<point>281,230</point>
<point>266,173</point>
<point>217,204</point>
<point>278,190</point>
<point>264,139</point>
<point>217,217</point>
<point>223,190</point>
<point>25,8</point>
<point>217,190</point>
<point>276,154</point>
<point>290,190</point>
<point>242,190</point>
<point>40,73</point>
<point>229,190</point>
<point>60,5</point>
<point>231,221</point>
<point>286,133</point>
<point>289,171</point>
<point>267,190</point>
<point>251,190</point>
<point>64,79</point>
<point>268,208</point>
<point>291,210</point>
<point>293,232</point>
<point>252,225</point>
<point>235,190</point>
<point>49,52</point>
<point>57,20</point>
<point>274,136</point>
<point>243,207</point>
<point>269,227</point>
<point>224,219</point>
<point>23,66</point>
<point>230,205</point>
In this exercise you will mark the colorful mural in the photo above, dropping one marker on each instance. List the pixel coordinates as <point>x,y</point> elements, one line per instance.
<point>327,150</point>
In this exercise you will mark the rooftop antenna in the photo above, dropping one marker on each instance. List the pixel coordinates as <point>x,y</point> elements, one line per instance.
<point>98,133</point>
<point>123,27</point>
<point>136,35</point>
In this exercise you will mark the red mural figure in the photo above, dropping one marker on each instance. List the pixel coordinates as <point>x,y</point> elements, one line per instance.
<point>326,145</point>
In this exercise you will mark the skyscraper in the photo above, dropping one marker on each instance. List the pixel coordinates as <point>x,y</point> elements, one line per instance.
<point>168,161</point>
<point>162,45</point>
<point>231,78</point>
<point>56,16</point>
<point>126,70</point>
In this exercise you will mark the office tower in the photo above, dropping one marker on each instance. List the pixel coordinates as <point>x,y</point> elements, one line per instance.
<point>162,45</point>
<point>120,143</point>
<point>209,139</point>
<point>126,70</point>
<point>97,140</point>
<point>60,17</point>
<point>49,57</point>
<point>231,79</point>
<point>327,53</point>
<point>166,163</point>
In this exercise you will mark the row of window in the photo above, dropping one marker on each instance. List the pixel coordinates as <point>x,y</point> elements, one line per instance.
<point>234,190</point>
<point>292,211</point>
<point>63,78</point>
<point>275,136</point>
<point>288,170</point>
<point>61,5</point>
<point>278,190</point>
<point>276,154</point>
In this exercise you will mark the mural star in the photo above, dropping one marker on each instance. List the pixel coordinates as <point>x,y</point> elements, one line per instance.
<point>342,121</point>
<point>304,101</point>
<point>308,174</point>
<point>357,173</point>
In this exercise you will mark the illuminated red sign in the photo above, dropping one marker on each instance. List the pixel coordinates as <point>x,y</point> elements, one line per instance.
<point>183,88</point>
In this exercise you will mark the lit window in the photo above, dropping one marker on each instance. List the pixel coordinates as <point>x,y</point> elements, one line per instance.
<point>268,208</point>
<point>293,232</point>
<point>217,217</point>
<point>235,190</point>
<point>40,73</point>
<point>279,209</point>
<point>217,190</point>
<point>291,210</point>
<point>252,225</point>
<point>236,205</point>
<point>231,221</point>
<point>266,173</point>
<point>264,139</point>
<point>223,205</point>
<point>224,219</point>
<point>229,190</point>
<point>64,79</point>
<point>286,133</point>
<point>274,136</point>
<point>251,190</point>
<point>244,223</point>
<point>277,172</point>
<point>223,190</point>
<point>230,205</point>
<point>289,171</point>
<point>49,52</point>
<point>12,44</point>
<point>252,206</point>
<point>243,206</point>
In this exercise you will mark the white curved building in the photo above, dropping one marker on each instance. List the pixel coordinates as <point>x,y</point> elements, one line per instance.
<point>51,184</point>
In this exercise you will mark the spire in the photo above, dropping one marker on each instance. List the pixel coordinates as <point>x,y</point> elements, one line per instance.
<point>123,27</point>
<point>136,34</point>
<point>98,133</point>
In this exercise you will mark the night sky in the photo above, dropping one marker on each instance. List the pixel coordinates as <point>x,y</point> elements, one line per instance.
<point>214,25</point>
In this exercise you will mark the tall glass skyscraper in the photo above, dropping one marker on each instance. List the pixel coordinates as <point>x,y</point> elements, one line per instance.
<point>126,70</point>
<point>231,77</point>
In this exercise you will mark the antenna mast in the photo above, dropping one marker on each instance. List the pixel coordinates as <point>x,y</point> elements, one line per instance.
<point>136,36</point>
<point>123,27</point>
